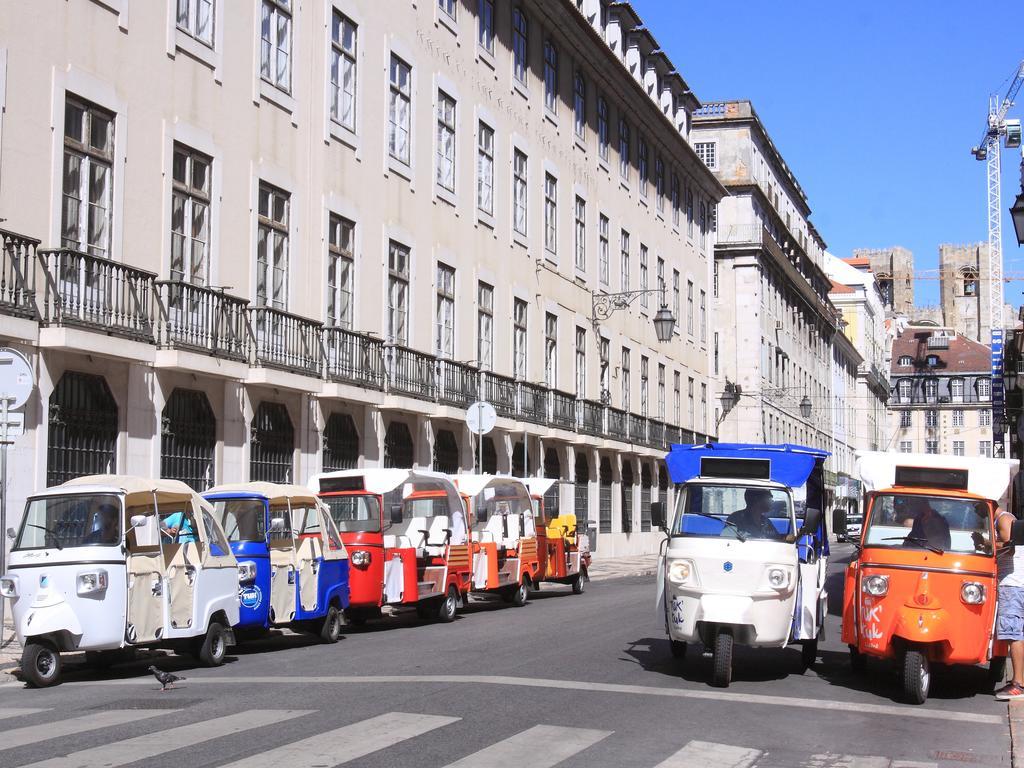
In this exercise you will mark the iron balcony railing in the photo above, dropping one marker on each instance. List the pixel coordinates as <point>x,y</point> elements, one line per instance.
<point>18,274</point>
<point>637,428</point>
<point>94,292</point>
<point>500,391</point>
<point>354,358</point>
<point>616,423</point>
<point>458,384</point>
<point>562,409</point>
<point>201,319</point>
<point>590,418</point>
<point>284,340</point>
<point>533,403</point>
<point>410,372</point>
<point>656,434</point>
<point>673,435</point>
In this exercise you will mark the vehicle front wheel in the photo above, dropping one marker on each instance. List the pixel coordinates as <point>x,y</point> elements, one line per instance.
<point>213,647</point>
<point>448,607</point>
<point>678,649</point>
<point>916,677</point>
<point>579,583</point>
<point>521,594</point>
<point>722,673</point>
<point>330,630</point>
<point>809,653</point>
<point>40,664</point>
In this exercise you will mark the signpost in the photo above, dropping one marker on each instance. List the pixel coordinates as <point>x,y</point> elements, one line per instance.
<point>480,418</point>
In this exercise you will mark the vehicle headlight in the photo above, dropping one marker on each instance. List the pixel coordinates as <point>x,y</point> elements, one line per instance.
<point>360,558</point>
<point>679,571</point>
<point>875,585</point>
<point>972,593</point>
<point>246,572</point>
<point>778,578</point>
<point>91,581</point>
<point>9,586</point>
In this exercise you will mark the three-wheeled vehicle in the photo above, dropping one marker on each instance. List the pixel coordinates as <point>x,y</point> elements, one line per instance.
<point>106,564</point>
<point>406,534</point>
<point>292,565</point>
<point>739,566</point>
<point>503,535</point>
<point>922,589</point>
<point>564,552</point>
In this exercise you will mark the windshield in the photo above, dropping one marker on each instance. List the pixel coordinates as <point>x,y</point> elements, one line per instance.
<point>930,522</point>
<point>734,511</point>
<point>354,513</point>
<point>242,519</point>
<point>71,521</point>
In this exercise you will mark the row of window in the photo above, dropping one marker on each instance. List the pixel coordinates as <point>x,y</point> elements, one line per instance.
<point>932,446</point>
<point>930,390</point>
<point>931,418</point>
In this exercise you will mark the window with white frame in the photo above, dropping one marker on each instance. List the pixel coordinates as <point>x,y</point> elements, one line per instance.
<point>551,350</point>
<point>276,44</point>
<point>931,418</point>
<point>485,25</point>
<point>579,104</point>
<point>485,326</point>
<point>958,447</point>
<point>519,39</point>
<point>550,76</point>
<point>703,316</point>
<point>691,406</point>
<point>643,276</point>
<point>703,226</point>
<point>931,390</point>
<point>660,284</point>
<point>714,357</point>
<point>340,267</point>
<point>445,141</point>
<point>88,183</point>
<point>398,293</point>
<point>984,418</point>
<point>704,408</point>
<point>624,375</point>
<point>644,375</point>
<point>675,293</point>
<point>519,191</point>
<point>906,418</point>
<point>905,361</point>
<point>448,7</point>
<point>659,184</point>
<point>985,448</point>
<point>906,446</point>
<point>958,417</point>
<point>519,310</point>
<point>643,166</point>
<point>399,110</point>
<point>605,370</point>
<point>903,390</point>
<point>984,389</point>
<point>550,213</point>
<point>624,146</point>
<point>689,213</point>
<point>190,215</point>
<point>707,151</point>
<point>677,400</point>
<point>624,250</point>
<point>661,392</point>
<point>581,233</point>
<point>343,70</point>
<point>196,19</point>
<point>602,127</point>
<point>603,257</point>
<point>444,314</point>
<point>675,199</point>
<point>689,307</point>
<point>581,361</point>
<point>714,280</point>
<point>272,247</point>
<point>485,168</point>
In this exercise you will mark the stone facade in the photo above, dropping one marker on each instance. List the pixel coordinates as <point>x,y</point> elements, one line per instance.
<point>894,271</point>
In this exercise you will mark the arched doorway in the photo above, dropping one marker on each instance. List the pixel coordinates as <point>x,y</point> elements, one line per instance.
<point>581,492</point>
<point>552,471</point>
<point>398,448</point>
<point>605,496</point>
<point>446,452</point>
<point>82,430</point>
<point>645,498</point>
<point>519,469</point>
<point>627,496</point>
<point>490,457</point>
<point>272,444</point>
<point>188,438</point>
<point>341,443</point>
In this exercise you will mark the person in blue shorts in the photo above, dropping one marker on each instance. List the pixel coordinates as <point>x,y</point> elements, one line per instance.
<point>1010,606</point>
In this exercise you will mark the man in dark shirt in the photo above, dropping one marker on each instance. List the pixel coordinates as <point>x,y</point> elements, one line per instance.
<point>927,526</point>
<point>753,520</point>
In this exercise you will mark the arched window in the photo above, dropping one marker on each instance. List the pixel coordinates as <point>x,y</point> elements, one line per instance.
<point>272,444</point>
<point>969,275</point>
<point>905,361</point>
<point>552,471</point>
<point>341,443</point>
<point>627,497</point>
<point>446,452</point>
<point>931,390</point>
<point>984,389</point>
<point>932,360</point>
<point>581,498</point>
<point>645,498</point>
<point>82,433</point>
<point>490,457</point>
<point>188,437</point>
<point>398,447</point>
<point>518,469</point>
<point>956,390</point>
<point>605,496</point>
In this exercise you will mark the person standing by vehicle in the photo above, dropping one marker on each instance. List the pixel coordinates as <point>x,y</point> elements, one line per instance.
<point>1010,616</point>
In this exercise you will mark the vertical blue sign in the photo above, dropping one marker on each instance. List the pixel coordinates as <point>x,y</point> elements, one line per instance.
<point>998,425</point>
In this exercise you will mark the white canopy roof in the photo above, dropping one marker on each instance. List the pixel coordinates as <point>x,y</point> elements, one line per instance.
<point>988,478</point>
<point>381,481</point>
<point>131,484</point>
<point>539,485</point>
<point>274,492</point>
<point>471,485</point>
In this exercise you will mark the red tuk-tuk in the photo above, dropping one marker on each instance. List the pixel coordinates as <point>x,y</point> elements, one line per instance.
<point>564,552</point>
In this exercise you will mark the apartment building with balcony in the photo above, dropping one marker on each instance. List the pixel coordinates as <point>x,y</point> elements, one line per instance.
<point>769,287</point>
<point>259,241</point>
<point>941,400</point>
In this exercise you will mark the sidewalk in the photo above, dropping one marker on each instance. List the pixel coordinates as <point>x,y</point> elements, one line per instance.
<point>1017,733</point>
<point>621,567</point>
<point>10,648</point>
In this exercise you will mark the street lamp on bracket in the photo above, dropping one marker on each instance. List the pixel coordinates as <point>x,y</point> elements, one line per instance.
<point>604,305</point>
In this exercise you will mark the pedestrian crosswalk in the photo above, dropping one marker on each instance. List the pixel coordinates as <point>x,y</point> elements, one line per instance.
<point>547,745</point>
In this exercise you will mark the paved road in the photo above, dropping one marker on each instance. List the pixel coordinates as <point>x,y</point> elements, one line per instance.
<point>568,680</point>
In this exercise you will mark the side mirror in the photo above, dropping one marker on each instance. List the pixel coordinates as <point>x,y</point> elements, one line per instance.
<point>812,519</point>
<point>11,534</point>
<point>658,515</point>
<point>137,521</point>
<point>396,514</point>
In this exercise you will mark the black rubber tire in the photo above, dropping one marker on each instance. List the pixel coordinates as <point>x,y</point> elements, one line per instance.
<point>858,661</point>
<point>996,671</point>
<point>808,653</point>
<point>915,677</point>
<point>330,629</point>
<point>579,583</point>
<point>213,647</point>
<point>721,674</point>
<point>40,664</point>
<point>678,648</point>
<point>521,594</point>
<point>448,607</point>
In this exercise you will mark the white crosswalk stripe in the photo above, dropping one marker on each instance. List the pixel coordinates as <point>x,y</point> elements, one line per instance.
<point>350,742</point>
<point>30,734</point>
<point>711,755</point>
<point>8,713</point>
<point>154,744</point>
<point>546,745</point>
<point>829,760</point>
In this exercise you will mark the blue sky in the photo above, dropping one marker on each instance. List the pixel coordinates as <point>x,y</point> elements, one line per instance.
<point>875,107</point>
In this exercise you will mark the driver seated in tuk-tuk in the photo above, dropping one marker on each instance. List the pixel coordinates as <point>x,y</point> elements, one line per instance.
<point>754,519</point>
<point>107,530</point>
<point>926,525</point>
<point>177,527</point>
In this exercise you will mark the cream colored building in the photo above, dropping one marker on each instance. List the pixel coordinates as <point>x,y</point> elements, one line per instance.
<point>281,236</point>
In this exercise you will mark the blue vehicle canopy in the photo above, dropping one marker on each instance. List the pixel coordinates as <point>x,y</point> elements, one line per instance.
<point>789,465</point>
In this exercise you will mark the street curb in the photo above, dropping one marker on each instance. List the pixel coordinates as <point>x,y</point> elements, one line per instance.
<point>626,575</point>
<point>1016,713</point>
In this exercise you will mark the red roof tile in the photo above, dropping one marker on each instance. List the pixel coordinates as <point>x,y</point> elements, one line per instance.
<point>963,354</point>
<point>840,288</point>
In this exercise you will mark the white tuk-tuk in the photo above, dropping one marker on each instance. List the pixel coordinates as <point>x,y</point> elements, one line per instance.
<point>110,563</point>
<point>747,550</point>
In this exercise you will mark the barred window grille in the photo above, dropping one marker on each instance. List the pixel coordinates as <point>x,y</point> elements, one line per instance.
<point>552,471</point>
<point>605,496</point>
<point>82,431</point>
<point>188,438</point>
<point>341,443</point>
<point>272,444</point>
<point>581,499</point>
<point>627,497</point>
<point>446,452</point>
<point>645,499</point>
<point>398,447</point>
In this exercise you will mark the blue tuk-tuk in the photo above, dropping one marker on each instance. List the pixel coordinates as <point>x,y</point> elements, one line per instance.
<point>292,564</point>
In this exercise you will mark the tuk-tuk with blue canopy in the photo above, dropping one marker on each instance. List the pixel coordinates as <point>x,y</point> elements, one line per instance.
<point>292,564</point>
<point>747,550</point>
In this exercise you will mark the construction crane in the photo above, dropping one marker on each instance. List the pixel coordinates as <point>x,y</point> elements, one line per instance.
<point>998,129</point>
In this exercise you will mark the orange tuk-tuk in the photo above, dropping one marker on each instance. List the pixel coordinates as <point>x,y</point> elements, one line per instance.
<point>921,590</point>
<point>564,552</point>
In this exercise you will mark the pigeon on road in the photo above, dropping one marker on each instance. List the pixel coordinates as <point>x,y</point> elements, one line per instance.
<point>166,679</point>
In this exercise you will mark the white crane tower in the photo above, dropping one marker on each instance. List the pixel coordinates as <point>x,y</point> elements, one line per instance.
<point>998,129</point>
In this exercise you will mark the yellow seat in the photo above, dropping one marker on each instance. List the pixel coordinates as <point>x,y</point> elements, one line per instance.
<point>563,526</point>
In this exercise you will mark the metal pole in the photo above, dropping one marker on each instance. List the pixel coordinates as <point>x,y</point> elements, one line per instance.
<point>3,513</point>
<point>480,436</point>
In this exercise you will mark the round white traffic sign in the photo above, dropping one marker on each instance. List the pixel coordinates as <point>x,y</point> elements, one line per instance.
<point>16,381</point>
<point>481,418</point>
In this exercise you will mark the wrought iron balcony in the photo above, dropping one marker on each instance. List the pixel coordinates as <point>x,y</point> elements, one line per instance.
<point>410,372</point>
<point>673,435</point>
<point>562,411</point>
<point>590,418</point>
<point>500,391</point>
<point>458,383</point>
<point>284,340</point>
<point>354,358</point>
<point>617,424</point>
<point>202,319</point>
<point>533,405</point>
<point>18,275</point>
<point>656,434</point>
<point>637,428</point>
